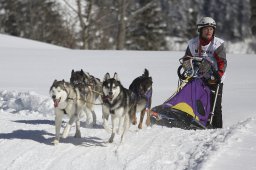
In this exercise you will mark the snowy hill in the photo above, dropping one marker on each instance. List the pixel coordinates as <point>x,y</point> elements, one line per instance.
<point>27,117</point>
<point>22,43</point>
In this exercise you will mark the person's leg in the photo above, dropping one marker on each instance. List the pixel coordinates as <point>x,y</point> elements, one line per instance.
<point>217,118</point>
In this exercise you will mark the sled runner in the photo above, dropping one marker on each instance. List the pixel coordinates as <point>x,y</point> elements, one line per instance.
<point>189,107</point>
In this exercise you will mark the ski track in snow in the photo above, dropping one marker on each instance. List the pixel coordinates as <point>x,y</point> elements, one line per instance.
<point>156,147</point>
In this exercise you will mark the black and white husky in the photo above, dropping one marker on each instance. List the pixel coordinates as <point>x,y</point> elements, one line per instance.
<point>66,101</point>
<point>118,102</point>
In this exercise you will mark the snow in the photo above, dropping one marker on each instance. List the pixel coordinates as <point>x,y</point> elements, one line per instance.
<point>28,69</point>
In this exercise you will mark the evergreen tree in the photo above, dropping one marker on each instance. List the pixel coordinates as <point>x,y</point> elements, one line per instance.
<point>37,20</point>
<point>253,16</point>
<point>148,29</point>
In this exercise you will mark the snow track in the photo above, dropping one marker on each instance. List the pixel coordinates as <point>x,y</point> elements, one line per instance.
<point>25,143</point>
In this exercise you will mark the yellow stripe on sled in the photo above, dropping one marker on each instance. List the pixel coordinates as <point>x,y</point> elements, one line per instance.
<point>185,108</point>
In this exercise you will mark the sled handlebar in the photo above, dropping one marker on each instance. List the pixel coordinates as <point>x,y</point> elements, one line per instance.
<point>190,58</point>
<point>194,67</point>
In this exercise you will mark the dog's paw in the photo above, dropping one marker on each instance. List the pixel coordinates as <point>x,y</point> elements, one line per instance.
<point>107,128</point>
<point>140,126</point>
<point>66,131</point>
<point>78,134</point>
<point>148,121</point>
<point>55,142</point>
<point>89,125</point>
<point>110,140</point>
<point>134,121</point>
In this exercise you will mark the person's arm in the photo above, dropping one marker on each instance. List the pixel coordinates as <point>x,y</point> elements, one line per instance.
<point>188,52</point>
<point>186,61</point>
<point>220,56</point>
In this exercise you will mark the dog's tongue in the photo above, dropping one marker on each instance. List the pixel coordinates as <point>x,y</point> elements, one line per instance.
<point>110,97</point>
<point>56,102</point>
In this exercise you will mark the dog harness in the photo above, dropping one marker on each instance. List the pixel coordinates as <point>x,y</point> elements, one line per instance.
<point>64,110</point>
<point>148,96</point>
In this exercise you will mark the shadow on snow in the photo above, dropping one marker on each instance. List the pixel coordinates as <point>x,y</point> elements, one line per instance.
<point>84,141</point>
<point>36,122</point>
<point>42,136</point>
<point>39,136</point>
<point>35,135</point>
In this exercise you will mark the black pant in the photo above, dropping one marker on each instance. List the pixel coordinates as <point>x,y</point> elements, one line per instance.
<point>217,117</point>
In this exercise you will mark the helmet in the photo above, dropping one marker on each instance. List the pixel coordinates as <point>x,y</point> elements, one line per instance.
<point>205,22</point>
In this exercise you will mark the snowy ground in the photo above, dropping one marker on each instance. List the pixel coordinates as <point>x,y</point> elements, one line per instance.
<point>28,68</point>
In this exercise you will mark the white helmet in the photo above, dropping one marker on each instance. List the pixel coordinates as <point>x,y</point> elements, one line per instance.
<point>205,22</point>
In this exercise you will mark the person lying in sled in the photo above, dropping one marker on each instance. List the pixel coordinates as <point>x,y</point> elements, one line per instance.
<point>211,48</point>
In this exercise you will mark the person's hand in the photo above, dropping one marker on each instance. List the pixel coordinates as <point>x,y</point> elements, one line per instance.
<point>186,64</point>
<point>215,78</point>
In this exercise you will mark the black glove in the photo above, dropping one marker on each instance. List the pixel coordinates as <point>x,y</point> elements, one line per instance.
<point>216,77</point>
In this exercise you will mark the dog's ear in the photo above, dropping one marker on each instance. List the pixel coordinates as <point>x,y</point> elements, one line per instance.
<point>65,84</point>
<point>82,72</point>
<point>146,73</point>
<point>116,77</point>
<point>53,84</point>
<point>106,77</point>
<point>72,72</point>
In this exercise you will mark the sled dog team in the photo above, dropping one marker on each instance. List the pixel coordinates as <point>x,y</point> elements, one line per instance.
<point>79,96</point>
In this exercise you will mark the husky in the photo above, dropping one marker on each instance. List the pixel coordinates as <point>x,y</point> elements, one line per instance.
<point>142,88</point>
<point>88,89</point>
<point>118,102</point>
<point>66,102</point>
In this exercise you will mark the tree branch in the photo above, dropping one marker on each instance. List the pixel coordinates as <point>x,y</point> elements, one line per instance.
<point>70,6</point>
<point>139,11</point>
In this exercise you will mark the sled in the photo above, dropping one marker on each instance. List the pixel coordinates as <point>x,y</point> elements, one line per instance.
<point>173,118</point>
<point>189,107</point>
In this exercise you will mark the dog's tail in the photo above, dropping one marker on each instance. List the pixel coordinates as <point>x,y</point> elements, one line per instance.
<point>146,73</point>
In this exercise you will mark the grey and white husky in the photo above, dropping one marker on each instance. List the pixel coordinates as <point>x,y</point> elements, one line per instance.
<point>118,102</point>
<point>66,101</point>
<point>88,89</point>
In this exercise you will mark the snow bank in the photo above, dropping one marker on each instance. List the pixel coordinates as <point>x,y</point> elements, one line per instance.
<point>25,102</point>
<point>246,46</point>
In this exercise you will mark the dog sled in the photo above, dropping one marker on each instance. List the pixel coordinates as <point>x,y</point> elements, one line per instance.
<point>190,106</point>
